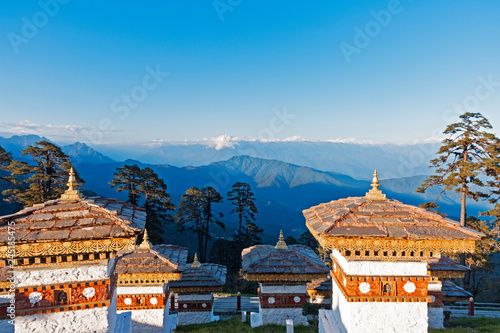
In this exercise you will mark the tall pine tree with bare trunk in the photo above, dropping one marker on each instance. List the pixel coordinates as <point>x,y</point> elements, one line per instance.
<point>144,185</point>
<point>465,162</point>
<point>196,214</point>
<point>43,178</point>
<point>243,200</point>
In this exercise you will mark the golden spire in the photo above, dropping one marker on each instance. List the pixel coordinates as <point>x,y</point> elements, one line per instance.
<point>281,245</point>
<point>71,193</point>
<point>145,242</point>
<point>375,193</point>
<point>196,263</point>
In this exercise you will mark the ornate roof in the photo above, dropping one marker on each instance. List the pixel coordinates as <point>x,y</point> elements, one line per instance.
<point>144,265</point>
<point>452,292</point>
<point>444,267</point>
<point>174,253</point>
<point>62,227</point>
<point>339,223</point>
<point>200,278</point>
<point>282,263</point>
<point>320,287</point>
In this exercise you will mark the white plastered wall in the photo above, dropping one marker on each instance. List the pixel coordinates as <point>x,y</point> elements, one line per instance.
<point>50,275</point>
<point>361,317</point>
<point>279,315</point>
<point>147,321</point>
<point>79,321</point>
<point>378,267</point>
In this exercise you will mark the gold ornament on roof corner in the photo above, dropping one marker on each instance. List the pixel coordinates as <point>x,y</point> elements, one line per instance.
<point>71,193</point>
<point>281,245</point>
<point>196,263</point>
<point>145,242</point>
<point>375,193</point>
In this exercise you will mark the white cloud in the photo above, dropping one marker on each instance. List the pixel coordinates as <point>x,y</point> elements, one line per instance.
<point>27,127</point>
<point>222,141</point>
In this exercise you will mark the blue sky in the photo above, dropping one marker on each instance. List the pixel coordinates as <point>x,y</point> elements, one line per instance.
<point>255,69</point>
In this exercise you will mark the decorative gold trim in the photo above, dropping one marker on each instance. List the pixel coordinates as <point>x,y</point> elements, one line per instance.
<point>147,278</point>
<point>69,247</point>
<point>447,274</point>
<point>285,277</point>
<point>398,245</point>
<point>195,290</point>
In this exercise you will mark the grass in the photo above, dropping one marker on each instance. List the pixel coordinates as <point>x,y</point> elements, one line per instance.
<point>234,325</point>
<point>469,325</point>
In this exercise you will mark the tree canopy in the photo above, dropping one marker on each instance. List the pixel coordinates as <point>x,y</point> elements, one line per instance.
<point>144,185</point>
<point>43,178</point>
<point>465,159</point>
<point>196,214</point>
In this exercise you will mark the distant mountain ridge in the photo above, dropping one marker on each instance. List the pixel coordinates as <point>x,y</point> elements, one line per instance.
<point>282,189</point>
<point>78,151</point>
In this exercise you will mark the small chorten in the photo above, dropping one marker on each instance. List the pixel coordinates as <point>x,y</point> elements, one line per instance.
<point>281,245</point>
<point>375,193</point>
<point>145,242</point>
<point>71,193</point>
<point>196,263</point>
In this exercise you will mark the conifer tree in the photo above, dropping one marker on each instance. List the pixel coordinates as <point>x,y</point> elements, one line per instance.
<point>196,214</point>
<point>242,197</point>
<point>5,161</point>
<point>466,158</point>
<point>128,178</point>
<point>145,183</point>
<point>43,178</point>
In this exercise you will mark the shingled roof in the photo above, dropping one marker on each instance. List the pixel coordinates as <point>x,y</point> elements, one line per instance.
<point>72,221</point>
<point>374,216</point>
<point>174,253</point>
<point>446,268</point>
<point>282,263</point>
<point>199,277</point>
<point>145,265</point>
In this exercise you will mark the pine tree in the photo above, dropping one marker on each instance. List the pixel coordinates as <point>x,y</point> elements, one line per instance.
<point>468,156</point>
<point>144,184</point>
<point>156,202</point>
<point>128,178</point>
<point>481,261</point>
<point>5,161</point>
<point>242,197</point>
<point>196,214</point>
<point>43,178</point>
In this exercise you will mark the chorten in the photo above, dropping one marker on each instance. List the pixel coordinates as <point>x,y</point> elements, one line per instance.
<point>282,272</point>
<point>380,249</point>
<point>195,292</point>
<point>59,256</point>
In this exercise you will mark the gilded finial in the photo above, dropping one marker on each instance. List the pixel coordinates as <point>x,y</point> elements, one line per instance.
<point>281,245</point>
<point>196,263</point>
<point>145,242</point>
<point>375,183</point>
<point>375,193</point>
<point>71,193</point>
